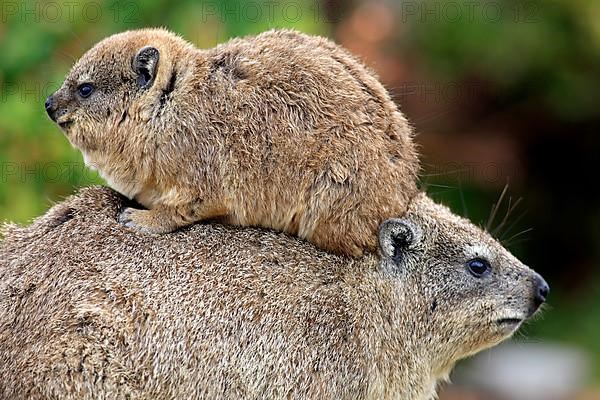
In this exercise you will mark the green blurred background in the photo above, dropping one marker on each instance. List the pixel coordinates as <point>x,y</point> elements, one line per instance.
<point>498,91</point>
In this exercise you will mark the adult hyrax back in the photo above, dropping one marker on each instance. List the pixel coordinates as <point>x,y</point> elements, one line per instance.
<point>281,130</point>
<point>92,310</point>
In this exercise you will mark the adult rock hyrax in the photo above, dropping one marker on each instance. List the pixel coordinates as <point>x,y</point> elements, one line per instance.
<point>92,310</point>
<point>282,130</point>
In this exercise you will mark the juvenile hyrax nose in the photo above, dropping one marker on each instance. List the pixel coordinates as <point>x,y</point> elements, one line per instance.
<point>541,291</point>
<point>48,103</point>
<point>49,107</point>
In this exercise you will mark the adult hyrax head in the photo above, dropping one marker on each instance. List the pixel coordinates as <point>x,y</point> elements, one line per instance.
<point>282,130</point>
<point>478,293</point>
<point>92,309</point>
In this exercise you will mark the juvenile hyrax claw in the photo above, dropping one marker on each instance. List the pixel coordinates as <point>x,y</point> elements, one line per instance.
<point>127,218</point>
<point>140,220</point>
<point>282,130</point>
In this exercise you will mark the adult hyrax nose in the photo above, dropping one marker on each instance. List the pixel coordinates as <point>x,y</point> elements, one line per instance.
<point>541,291</point>
<point>50,109</point>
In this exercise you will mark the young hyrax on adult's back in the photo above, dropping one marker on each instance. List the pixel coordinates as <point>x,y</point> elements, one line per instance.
<point>281,130</point>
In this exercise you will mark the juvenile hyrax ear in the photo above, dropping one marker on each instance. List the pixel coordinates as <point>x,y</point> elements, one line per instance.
<point>396,237</point>
<point>145,64</point>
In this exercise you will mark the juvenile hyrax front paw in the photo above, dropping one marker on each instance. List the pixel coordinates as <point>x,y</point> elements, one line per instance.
<point>156,220</point>
<point>281,130</point>
<point>140,220</point>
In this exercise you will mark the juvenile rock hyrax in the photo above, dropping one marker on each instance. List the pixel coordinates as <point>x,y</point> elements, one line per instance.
<point>281,130</point>
<point>92,310</point>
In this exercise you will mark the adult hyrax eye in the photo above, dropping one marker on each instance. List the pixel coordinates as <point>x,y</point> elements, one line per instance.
<point>478,267</point>
<point>85,90</point>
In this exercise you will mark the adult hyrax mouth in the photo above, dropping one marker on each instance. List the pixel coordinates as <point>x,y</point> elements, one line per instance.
<point>509,321</point>
<point>507,326</point>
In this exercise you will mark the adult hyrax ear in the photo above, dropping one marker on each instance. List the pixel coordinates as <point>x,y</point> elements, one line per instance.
<point>145,64</point>
<point>397,237</point>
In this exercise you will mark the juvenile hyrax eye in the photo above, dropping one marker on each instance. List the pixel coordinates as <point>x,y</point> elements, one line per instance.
<point>85,90</point>
<point>478,267</point>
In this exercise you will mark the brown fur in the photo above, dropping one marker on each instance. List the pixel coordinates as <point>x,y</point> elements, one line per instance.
<point>281,130</point>
<point>92,310</point>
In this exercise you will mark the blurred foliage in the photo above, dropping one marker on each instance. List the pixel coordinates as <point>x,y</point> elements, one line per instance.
<point>532,71</point>
<point>543,52</point>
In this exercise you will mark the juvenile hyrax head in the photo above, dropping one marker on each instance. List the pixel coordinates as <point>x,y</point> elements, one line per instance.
<point>108,98</point>
<point>469,292</point>
<point>222,133</point>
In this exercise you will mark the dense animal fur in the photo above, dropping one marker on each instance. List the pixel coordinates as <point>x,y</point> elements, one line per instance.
<point>92,310</point>
<point>281,130</point>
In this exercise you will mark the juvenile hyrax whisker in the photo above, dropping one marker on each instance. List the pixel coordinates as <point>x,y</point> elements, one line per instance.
<point>281,130</point>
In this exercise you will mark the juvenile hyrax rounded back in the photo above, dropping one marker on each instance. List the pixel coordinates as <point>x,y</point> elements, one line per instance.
<point>281,130</point>
<point>92,310</point>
